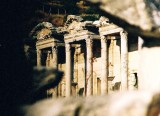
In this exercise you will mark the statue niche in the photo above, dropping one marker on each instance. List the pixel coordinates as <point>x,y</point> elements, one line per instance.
<point>132,81</point>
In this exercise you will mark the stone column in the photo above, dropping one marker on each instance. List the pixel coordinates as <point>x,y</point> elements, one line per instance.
<point>38,57</point>
<point>50,60</point>
<point>55,56</point>
<point>55,64</point>
<point>104,74</point>
<point>68,69</point>
<point>124,60</point>
<point>89,63</point>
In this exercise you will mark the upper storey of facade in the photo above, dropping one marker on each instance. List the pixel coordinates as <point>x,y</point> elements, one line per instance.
<point>74,29</point>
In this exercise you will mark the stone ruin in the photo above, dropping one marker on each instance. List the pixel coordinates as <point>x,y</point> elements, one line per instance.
<point>145,101</point>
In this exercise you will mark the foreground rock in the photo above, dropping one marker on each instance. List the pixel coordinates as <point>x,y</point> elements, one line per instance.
<point>118,104</point>
<point>43,79</point>
<point>136,16</point>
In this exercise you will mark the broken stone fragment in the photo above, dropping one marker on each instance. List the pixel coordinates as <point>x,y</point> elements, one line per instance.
<point>78,18</point>
<point>103,21</point>
<point>72,18</point>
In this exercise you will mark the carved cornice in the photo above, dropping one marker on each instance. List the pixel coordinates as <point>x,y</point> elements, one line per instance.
<point>112,29</point>
<point>42,31</point>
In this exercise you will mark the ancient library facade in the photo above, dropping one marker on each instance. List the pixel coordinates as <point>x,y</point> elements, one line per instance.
<point>97,57</point>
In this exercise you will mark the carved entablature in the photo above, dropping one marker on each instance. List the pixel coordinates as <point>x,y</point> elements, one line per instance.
<point>106,27</point>
<point>73,24</point>
<point>75,27</point>
<point>76,24</point>
<point>44,34</point>
<point>42,31</point>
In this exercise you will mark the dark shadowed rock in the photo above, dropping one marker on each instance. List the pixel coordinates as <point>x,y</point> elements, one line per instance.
<point>43,79</point>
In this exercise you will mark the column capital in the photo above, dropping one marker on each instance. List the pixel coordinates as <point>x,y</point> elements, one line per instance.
<point>123,33</point>
<point>68,47</point>
<point>89,42</point>
<point>104,39</point>
<point>38,51</point>
<point>54,48</point>
<point>49,52</point>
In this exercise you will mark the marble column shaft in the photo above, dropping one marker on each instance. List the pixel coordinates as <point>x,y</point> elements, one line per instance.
<point>55,56</point>
<point>68,69</point>
<point>38,57</point>
<point>104,74</point>
<point>89,77</point>
<point>55,63</point>
<point>124,60</point>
